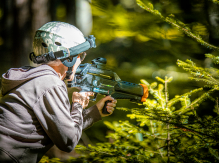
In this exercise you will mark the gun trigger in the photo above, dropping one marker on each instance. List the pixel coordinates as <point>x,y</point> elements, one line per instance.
<point>95,97</point>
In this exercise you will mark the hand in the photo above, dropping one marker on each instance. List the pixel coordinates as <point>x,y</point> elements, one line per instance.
<point>110,106</point>
<point>82,98</point>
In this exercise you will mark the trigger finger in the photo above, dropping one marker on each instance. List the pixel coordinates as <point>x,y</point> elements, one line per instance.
<point>90,94</point>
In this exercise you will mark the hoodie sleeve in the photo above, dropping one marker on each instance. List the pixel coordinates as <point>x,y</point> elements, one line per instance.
<point>53,112</point>
<point>90,116</point>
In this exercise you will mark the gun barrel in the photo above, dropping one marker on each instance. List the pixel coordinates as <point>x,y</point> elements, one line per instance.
<point>128,87</point>
<point>132,88</point>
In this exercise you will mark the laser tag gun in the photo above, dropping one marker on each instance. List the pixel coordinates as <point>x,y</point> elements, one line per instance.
<point>96,78</point>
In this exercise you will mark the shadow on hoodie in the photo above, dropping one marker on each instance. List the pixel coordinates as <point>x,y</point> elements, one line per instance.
<point>35,114</point>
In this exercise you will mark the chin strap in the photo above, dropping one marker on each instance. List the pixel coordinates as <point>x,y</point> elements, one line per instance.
<point>69,65</point>
<point>68,73</point>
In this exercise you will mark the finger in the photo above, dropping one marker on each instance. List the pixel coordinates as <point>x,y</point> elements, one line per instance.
<point>75,93</point>
<point>89,93</point>
<point>111,104</point>
<point>82,93</point>
<point>108,98</point>
<point>85,94</point>
<point>110,109</point>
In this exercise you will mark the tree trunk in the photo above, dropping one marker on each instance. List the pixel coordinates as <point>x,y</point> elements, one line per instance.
<point>6,29</point>
<point>40,13</point>
<point>213,15</point>
<point>21,33</point>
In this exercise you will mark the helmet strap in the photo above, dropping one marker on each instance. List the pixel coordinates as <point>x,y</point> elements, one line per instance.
<point>73,51</point>
<point>68,73</point>
<point>69,65</point>
<point>42,58</point>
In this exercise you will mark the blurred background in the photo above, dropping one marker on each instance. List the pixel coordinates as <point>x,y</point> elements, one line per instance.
<point>136,44</point>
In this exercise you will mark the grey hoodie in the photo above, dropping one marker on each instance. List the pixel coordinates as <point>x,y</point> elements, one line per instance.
<point>35,114</point>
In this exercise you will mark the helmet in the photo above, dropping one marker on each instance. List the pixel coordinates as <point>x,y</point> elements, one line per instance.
<point>56,36</point>
<point>59,40</point>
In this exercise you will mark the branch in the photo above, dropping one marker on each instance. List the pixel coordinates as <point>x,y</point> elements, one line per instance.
<point>215,1</point>
<point>176,23</point>
<point>181,126</point>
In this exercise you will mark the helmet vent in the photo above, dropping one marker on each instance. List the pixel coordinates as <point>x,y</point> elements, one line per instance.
<point>58,43</point>
<point>44,45</point>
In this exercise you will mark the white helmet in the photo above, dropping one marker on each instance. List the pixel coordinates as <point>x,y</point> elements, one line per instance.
<point>56,36</point>
<point>59,40</point>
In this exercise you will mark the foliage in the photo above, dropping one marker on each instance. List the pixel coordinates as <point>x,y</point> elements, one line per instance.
<point>167,129</point>
<point>215,1</point>
<point>46,159</point>
<point>164,130</point>
<point>124,30</point>
<point>121,23</point>
<point>163,133</point>
<point>207,75</point>
<point>176,23</point>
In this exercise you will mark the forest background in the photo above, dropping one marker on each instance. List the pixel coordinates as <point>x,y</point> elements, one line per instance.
<point>137,44</point>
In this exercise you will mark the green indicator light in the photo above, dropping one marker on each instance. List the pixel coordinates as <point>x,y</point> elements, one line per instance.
<point>107,85</point>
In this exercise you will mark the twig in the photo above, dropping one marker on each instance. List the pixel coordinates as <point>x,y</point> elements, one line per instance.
<point>217,105</point>
<point>168,125</point>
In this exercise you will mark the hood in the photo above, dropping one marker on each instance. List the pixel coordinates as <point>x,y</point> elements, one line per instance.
<point>17,76</point>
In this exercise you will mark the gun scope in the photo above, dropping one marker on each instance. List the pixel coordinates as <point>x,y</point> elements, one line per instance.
<point>99,60</point>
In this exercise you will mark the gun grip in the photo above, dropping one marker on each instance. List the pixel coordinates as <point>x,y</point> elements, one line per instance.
<point>104,111</point>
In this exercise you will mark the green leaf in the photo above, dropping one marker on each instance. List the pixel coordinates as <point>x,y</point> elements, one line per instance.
<point>159,79</point>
